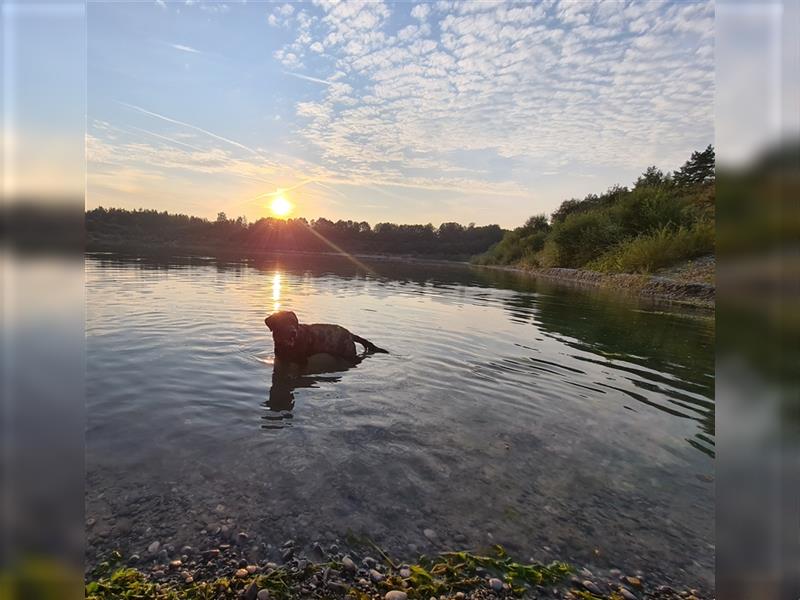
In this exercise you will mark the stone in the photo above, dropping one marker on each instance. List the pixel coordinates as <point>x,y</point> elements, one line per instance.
<point>251,569</point>
<point>395,595</point>
<point>251,592</point>
<point>175,564</point>
<point>188,579</point>
<point>430,534</point>
<point>634,581</point>
<point>627,594</point>
<point>241,573</point>
<point>376,576</point>
<point>134,558</point>
<point>591,587</point>
<point>154,547</point>
<point>495,584</point>
<point>369,562</point>
<point>405,572</point>
<point>459,595</point>
<point>348,564</point>
<point>263,595</point>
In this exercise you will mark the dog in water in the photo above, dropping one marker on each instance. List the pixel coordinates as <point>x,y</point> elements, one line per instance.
<point>296,343</point>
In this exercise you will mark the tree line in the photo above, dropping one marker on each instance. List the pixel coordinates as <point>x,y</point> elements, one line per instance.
<point>121,228</point>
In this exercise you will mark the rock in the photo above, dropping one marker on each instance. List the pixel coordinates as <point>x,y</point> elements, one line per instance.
<point>134,558</point>
<point>591,587</point>
<point>405,572</point>
<point>376,576</point>
<point>288,543</point>
<point>627,594</point>
<point>337,586</point>
<point>90,522</point>
<point>251,569</point>
<point>251,592</point>
<point>263,595</point>
<point>586,573</point>
<point>369,562</point>
<point>188,579</point>
<point>634,581</point>
<point>154,547</point>
<point>175,564</point>
<point>459,595</point>
<point>348,564</point>
<point>615,572</point>
<point>495,584</point>
<point>430,534</point>
<point>242,537</point>
<point>241,573</point>
<point>287,554</point>
<point>187,550</point>
<point>395,595</point>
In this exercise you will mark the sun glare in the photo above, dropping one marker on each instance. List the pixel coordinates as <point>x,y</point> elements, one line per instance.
<point>281,207</point>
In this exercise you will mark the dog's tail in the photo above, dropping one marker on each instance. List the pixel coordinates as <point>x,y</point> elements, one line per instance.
<point>368,346</point>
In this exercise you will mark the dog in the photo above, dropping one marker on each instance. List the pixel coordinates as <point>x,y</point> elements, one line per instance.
<point>296,343</point>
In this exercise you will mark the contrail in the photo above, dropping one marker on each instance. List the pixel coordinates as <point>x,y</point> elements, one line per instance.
<point>190,126</point>
<point>309,78</point>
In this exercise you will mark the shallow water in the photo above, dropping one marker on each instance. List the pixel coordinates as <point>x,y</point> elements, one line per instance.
<point>558,422</point>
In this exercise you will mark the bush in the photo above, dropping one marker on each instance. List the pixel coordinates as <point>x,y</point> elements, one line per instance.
<point>649,252</point>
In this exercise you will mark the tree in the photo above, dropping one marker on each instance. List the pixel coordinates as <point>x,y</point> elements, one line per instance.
<point>222,217</point>
<point>698,170</point>
<point>652,177</point>
<point>536,223</point>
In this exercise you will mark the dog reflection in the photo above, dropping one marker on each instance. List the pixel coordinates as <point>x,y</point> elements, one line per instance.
<point>287,377</point>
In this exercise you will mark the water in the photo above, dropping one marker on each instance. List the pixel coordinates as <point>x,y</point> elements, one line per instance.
<point>558,422</point>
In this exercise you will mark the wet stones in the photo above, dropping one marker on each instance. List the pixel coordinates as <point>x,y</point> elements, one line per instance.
<point>395,595</point>
<point>495,584</point>
<point>154,547</point>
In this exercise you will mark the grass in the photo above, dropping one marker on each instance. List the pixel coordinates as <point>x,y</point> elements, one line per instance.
<point>664,247</point>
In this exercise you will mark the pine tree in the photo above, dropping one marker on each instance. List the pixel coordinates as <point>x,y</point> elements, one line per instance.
<point>699,169</point>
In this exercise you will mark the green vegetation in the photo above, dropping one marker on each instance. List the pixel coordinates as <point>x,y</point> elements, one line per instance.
<point>662,220</point>
<point>445,574</point>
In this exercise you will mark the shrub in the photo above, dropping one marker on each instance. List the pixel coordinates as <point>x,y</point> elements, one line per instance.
<point>649,252</point>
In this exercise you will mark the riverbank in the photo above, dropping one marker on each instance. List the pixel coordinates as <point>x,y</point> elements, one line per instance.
<point>685,285</point>
<point>225,572</point>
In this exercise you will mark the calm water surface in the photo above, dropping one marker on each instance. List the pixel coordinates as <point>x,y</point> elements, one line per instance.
<point>557,422</point>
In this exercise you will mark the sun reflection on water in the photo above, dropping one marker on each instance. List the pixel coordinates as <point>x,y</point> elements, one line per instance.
<point>276,291</point>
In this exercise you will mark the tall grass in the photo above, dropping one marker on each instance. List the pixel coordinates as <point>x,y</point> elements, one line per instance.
<point>661,248</point>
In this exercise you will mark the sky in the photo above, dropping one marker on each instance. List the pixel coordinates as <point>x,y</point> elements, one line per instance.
<point>484,112</point>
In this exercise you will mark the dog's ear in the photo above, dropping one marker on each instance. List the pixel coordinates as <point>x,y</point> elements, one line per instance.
<point>272,320</point>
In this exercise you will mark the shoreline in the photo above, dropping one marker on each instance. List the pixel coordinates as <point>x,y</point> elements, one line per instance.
<point>663,289</point>
<point>225,571</point>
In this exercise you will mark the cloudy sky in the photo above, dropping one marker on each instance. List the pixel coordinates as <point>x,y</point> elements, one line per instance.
<point>467,111</point>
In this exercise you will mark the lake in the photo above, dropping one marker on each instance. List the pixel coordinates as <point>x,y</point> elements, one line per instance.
<point>561,423</point>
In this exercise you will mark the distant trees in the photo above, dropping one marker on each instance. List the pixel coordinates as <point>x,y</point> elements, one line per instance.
<point>124,228</point>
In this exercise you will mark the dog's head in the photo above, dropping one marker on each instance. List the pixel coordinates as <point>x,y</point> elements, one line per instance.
<point>284,326</point>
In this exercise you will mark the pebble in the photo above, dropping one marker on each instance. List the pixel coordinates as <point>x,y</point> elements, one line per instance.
<point>626,594</point>
<point>430,534</point>
<point>592,587</point>
<point>251,569</point>
<point>263,595</point>
<point>376,576</point>
<point>188,579</point>
<point>153,548</point>
<point>348,564</point>
<point>395,595</point>
<point>634,581</point>
<point>175,564</point>
<point>405,572</point>
<point>459,595</point>
<point>369,562</point>
<point>251,592</point>
<point>287,554</point>
<point>495,584</point>
<point>241,573</point>
<point>134,558</point>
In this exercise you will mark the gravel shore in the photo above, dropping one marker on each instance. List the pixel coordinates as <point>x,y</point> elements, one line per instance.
<point>224,571</point>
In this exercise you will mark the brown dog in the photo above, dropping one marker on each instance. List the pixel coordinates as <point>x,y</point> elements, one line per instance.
<point>295,343</point>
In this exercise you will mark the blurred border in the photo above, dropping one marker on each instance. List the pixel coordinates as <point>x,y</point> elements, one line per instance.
<point>41,239</point>
<point>758,322</point>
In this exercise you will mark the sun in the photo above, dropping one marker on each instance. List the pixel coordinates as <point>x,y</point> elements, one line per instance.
<point>281,207</point>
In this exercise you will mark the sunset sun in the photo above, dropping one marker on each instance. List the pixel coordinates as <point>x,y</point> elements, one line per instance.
<point>281,207</point>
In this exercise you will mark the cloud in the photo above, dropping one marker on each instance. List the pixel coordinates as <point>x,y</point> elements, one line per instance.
<point>536,86</point>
